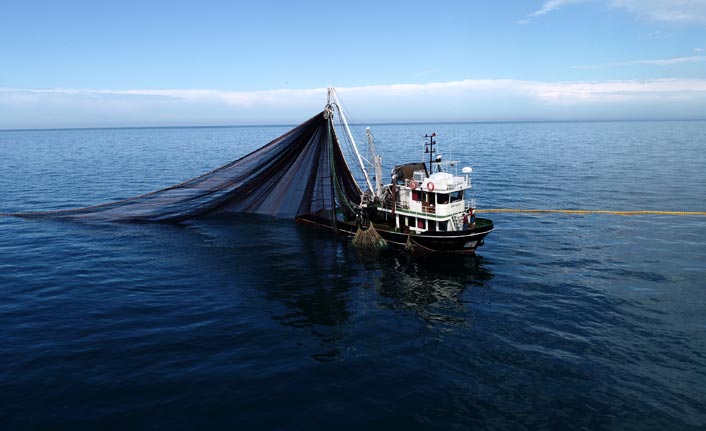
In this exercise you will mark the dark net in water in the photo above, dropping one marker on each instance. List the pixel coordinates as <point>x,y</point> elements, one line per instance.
<point>303,173</point>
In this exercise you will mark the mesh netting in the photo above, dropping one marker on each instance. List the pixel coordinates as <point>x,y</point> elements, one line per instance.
<point>300,174</point>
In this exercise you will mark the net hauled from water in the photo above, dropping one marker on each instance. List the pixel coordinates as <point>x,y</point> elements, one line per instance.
<point>301,173</point>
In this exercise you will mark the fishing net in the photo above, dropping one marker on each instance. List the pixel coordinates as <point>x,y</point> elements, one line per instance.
<point>303,173</point>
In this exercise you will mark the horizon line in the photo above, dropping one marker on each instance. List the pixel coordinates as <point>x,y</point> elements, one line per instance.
<point>391,123</point>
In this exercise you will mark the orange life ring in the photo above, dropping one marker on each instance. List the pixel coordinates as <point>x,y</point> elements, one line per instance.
<point>413,184</point>
<point>430,186</point>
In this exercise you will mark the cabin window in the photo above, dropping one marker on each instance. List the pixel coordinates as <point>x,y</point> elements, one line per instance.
<point>443,225</point>
<point>442,198</point>
<point>416,195</point>
<point>421,223</point>
<point>456,196</point>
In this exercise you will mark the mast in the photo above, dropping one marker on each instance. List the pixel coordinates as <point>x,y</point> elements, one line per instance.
<point>332,92</point>
<point>377,162</point>
<point>429,148</point>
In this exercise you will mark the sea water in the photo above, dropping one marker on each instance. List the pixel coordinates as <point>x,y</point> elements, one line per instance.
<point>246,322</point>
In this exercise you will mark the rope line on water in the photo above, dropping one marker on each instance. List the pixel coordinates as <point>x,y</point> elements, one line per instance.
<point>625,213</point>
<point>478,210</point>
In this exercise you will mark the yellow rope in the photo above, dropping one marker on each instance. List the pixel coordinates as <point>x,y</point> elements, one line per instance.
<point>478,210</point>
<point>625,213</point>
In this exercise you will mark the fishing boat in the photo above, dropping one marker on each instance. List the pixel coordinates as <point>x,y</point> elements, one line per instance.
<point>426,205</point>
<point>304,175</point>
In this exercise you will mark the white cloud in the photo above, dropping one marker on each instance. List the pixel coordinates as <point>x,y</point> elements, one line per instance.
<point>657,35</point>
<point>465,100</point>
<point>235,98</point>
<point>547,7</point>
<point>453,90</point>
<point>654,62</point>
<point>673,11</point>
<point>676,11</point>
<point>282,98</point>
<point>476,88</point>
<point>624,91</point>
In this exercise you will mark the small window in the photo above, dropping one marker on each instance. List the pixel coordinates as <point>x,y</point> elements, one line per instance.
<point>416,195</point>
<point>457,196</point>
<point>443,225</point>
<point>442,198</point>
<point>421,223</point>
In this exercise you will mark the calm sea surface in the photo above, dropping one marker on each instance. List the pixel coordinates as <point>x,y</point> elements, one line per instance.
<point>560,322</point>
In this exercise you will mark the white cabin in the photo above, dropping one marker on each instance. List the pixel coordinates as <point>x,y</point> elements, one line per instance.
<point>433,203</point>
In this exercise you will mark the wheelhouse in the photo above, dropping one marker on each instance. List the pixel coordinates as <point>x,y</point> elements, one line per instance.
<point>429,203</point>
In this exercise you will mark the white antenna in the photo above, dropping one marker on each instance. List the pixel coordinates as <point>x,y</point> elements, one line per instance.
<point>332,92</point>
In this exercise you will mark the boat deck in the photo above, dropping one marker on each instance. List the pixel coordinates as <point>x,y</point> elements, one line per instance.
<point>482,224</point>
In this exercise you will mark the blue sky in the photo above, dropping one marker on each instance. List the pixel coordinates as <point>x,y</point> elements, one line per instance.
<point>98,64</point>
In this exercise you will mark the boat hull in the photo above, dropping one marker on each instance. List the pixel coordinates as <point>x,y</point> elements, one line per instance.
<point>466,241</point>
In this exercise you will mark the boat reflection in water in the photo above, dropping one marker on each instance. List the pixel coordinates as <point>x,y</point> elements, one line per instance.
<point>340,293</point>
